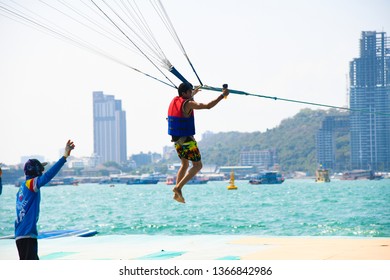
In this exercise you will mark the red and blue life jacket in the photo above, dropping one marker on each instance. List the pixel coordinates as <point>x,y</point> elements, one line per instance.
<point>178,124</point>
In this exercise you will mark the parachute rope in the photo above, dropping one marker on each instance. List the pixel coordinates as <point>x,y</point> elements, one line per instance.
<point>146,41</point>
<point>137,37</point>
<point>292,100</point>
<point>117,26</point>
<point>35,21</point>
<point>158,6</point>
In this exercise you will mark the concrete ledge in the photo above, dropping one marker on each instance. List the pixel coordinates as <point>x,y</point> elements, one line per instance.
<point>205,247</point>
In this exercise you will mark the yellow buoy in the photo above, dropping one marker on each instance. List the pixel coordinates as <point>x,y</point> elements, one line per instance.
<point>231,182</point>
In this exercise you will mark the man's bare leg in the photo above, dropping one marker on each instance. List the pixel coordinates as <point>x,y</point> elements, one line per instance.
<point>185,163</point>
<point>196,167</point>
<point>180,175</point>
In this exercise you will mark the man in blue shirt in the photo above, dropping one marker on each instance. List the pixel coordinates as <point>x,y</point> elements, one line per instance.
<point>28,200</point>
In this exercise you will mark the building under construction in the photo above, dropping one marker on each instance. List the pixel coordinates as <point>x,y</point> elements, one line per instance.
<point>370,103</point>
<point>326,142</point>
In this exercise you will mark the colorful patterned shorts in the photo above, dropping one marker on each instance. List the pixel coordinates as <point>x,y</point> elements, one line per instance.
<point>188,150</point>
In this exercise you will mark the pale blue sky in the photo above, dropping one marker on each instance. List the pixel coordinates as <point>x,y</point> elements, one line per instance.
<point>290,49</point>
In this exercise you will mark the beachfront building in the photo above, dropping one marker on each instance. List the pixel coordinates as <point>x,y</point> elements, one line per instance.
<point>240,171</point>
<point>109,128</point>
<point>169,152</point>
<point>262,159</point>
<point>370,103</point>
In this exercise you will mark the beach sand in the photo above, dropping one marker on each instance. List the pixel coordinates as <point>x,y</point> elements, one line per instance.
<point>205,247</point>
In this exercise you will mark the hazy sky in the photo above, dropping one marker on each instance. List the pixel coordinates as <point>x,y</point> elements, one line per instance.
<point>290,49</point>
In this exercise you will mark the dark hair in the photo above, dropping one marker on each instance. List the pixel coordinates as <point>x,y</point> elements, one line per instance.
<point>183,88</point>
<point>33,168</point>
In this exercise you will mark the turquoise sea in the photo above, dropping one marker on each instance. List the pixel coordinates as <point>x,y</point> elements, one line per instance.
<point>294,208</point>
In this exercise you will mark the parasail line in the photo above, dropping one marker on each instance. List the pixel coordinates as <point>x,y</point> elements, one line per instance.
<point>123,43</point>
<point>240,92</point>
<point>132,42</point>
<point>33,23</point>
<point>149,41</point>
<point>104,32</point>
<point>168,24</point>
<point>138,20</point>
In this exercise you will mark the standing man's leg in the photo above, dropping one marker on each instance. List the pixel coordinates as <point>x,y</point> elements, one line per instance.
<point>27,248</point>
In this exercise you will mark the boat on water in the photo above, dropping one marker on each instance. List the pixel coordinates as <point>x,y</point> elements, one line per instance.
<point>145,179</point>
<point>62,182</point>
<point>106,181</point>
<point>322,176</point>
<point>268,177</point>
<point>53,182</point>
<point>360,175</point>
<point>171,180</point>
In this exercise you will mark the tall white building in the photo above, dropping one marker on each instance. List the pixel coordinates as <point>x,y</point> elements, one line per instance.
<point>109,128</point>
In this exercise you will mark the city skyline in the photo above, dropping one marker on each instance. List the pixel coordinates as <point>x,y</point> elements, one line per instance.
<point>296,50</point>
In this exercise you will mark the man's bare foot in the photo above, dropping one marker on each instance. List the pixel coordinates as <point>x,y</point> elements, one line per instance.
<point>178,195</point>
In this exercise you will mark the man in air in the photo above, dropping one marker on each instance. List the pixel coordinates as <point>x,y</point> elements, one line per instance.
<point>181,126</point>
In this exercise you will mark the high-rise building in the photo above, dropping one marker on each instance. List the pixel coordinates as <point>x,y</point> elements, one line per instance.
<point>326,141</point>
<point>370,104</point>
<point>109,128</point>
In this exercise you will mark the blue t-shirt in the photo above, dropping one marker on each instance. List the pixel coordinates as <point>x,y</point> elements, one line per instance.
<point>28,199</point>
